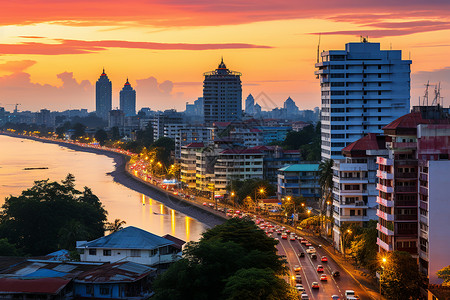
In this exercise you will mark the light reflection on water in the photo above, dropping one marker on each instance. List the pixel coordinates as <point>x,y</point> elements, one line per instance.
<point>89,170</point>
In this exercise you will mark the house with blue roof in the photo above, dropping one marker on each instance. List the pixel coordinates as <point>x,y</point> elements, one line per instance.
<point>299,180</point>
<point>130,244</point>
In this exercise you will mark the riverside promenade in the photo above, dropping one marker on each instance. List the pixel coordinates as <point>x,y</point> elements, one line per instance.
<point>123,176</point>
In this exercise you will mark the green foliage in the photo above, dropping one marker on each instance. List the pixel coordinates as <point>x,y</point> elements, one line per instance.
<point>248,187</point>
<point>231,261</point>
<point>51,215</point>
<point>61,130</point>
<point>164,146</point>
<point>326,180</point>
<point>400,278</point>
<point>101,136</point>
<point>364,246</point>
<point>295,139</point>
<point>115,226</point>
<point>115,134</point>
<point>291,204</point>
<point>444,274</point>
<point>79,131</point>
<point>257,284</point>
<point>8,249</point>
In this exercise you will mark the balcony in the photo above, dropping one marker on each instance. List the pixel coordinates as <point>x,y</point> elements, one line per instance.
<point>423,190</point>
<point>384,245</point>
<point>401,145</point>
<point>406,162</point>
<point>384,175</point>
<point>405,203</point>
<point>406,189</point>
<point>406,217</point>
<point>384,202</point>
<point>385,216</point>
<point>384,230</point>
<point>423,176</point>
<point>385,161</point>
<point>386,189</point>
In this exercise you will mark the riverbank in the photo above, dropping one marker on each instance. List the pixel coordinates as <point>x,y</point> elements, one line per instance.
<point>121,176</point>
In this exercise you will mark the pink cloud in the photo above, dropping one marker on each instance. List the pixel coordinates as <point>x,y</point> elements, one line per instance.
<point>80,47</point>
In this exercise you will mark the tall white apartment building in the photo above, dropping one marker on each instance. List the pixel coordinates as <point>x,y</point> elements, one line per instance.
<point>363,88</point>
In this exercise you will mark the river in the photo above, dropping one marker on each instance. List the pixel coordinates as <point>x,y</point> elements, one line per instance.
<point>90,170</point>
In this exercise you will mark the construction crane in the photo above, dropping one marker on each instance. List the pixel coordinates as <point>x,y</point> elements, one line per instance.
<point>15,104</point>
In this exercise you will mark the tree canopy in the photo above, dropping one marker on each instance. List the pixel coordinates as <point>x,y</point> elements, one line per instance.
<point>51,215</point>
<point>231,261</point>
<point>444,274</point>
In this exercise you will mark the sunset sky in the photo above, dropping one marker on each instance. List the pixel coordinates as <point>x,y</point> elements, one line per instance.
<point>52,52</point>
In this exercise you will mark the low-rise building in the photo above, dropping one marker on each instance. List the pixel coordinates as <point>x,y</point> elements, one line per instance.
<point>300,180</point>
<point>130,244</point>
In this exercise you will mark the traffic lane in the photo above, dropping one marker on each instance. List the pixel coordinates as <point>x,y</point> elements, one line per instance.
<point>294,260</point>
<point>326,288</point>
<point>344,281</point>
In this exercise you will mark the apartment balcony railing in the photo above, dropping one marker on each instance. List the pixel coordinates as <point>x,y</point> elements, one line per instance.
<point>405,175</point>
<point>406,162</point>
<point>386,189</point>
<point>405,203</point>
<point>385,202</point>
<point>423,190</point>
<point>384,230</point>
<point>384,175</point>
<point>406,217</point>
<point>385,161</point>
<point>384,245</point>
<point>385,216</point>
<point>401,145</point>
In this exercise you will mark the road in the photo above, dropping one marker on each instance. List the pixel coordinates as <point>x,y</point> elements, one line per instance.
<point>334,286</point>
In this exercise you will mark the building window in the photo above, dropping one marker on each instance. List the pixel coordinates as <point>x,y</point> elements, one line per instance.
<point>135,253</point>
<point>92,251</point>
<point>106,252</point>
<point>89,290</point>
<point>152,252</point>
<point>104,291</point>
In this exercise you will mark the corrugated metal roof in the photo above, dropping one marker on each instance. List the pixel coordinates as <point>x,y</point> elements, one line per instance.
<point>129,238</point>
<point>35,286</point>
<point>301,168</point>
<point>116,272</point>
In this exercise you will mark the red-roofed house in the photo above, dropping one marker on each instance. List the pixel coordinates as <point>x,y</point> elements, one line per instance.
<point>354,180</point>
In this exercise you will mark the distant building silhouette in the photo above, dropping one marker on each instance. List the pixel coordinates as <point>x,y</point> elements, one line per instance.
<point>222,94</point>
<point>290,107</point>
<point>250,105</point>
<point>103,96</point>
<point>128,100</point>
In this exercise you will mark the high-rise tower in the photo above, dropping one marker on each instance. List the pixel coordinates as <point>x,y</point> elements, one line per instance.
<point>222,95</point>
<point>363,89</point>
<point>250,105</point>
<point>103,96</point>
<point>128,100</point>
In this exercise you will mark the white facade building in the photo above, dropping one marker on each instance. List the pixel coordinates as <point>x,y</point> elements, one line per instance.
<point>354,184</point>
<point>130,244</point>
<point>184,134</point>
<point>363,88</point>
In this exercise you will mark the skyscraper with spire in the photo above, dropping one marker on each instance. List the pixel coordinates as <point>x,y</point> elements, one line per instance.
<point>128,100</point>
<point>222,95</point>
<point>103,96</point>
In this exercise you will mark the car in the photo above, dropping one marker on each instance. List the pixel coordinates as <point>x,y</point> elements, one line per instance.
<point>297,268</point>
<point>335,297</point>
<point>288,231</point>
<point>324,259</point>
<point>313,256</point>
<point>304,296</point>
<point>205,204</point>
<point>319,268</point>
<point>315,285</point>
<point>211,204</point>
<point>299,287</point>
<point>335,274</point>
<point>298,278</point>
<point>308,244</point>
<point>310,250</point>
<point>292,238</point>
<point>301,254</point>
<point>349,294</point>
<point>303,241</point>
<point>284,236</point>
<point>323,277</point>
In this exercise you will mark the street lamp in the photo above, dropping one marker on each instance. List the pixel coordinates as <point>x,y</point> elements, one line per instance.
<point>232,199</point>
<point>261,191</point>
<point>383,261</point>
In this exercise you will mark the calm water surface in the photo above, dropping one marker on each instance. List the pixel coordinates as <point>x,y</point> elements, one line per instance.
<point>89,170</point>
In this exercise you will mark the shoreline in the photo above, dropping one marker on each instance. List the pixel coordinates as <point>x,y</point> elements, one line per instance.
<point>121,176</point>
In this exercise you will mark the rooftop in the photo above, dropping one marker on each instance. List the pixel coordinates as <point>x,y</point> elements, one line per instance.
<point>300,168</point>
<point>116,272</point>
<point>371,141</point>
<point>195,145</point>
<point>241,151</point>
<point>408,123</point>
<point>128,238</point>
<point>36,286</point>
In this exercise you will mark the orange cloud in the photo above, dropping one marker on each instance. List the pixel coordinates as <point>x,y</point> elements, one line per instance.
<point>16,66</point>
<point>80,47</point>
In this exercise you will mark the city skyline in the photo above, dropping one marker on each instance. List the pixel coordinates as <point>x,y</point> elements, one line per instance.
<point>58,53</point>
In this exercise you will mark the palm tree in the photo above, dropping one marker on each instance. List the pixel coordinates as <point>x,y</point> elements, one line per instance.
<point>115,226</point>
<point>325,182</point>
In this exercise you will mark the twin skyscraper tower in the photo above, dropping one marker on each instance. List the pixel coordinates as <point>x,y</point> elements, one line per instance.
<point>103,97</point>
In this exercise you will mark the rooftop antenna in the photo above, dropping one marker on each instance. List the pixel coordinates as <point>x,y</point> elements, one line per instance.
<point>425,97</point>
<point>364,39</point>
<point>318,47</point>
